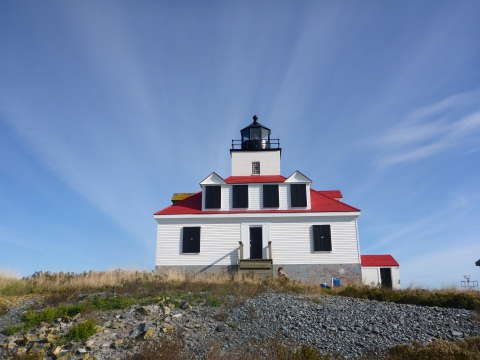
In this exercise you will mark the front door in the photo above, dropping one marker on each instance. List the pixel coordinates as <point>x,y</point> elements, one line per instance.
<point>255,243</point>
<point>386,276</point>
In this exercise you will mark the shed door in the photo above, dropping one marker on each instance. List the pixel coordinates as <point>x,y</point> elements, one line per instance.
<point>386,276</point>
<point>255,243</point>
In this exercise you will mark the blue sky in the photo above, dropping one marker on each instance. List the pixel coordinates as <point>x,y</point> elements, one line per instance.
<point>109,107</point>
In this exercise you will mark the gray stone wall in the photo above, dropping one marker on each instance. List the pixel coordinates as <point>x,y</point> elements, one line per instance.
<point>311,273</point>
<point>323,273</point>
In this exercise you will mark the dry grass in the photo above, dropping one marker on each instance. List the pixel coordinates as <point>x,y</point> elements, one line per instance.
<point>57,288</point>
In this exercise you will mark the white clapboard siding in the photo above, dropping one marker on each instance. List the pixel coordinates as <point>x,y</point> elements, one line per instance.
<point>225,197</point>
<point>292,241</point>
<point>283,191</point>
<point>254,192</point>
<point>218,245</point>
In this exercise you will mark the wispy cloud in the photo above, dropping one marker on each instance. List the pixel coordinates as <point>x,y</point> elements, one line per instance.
<point>430,130</point>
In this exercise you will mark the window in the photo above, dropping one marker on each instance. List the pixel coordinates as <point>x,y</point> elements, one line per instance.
<point>270,196</point>
<point>240,196</point>
<point>298,195</point>
<point>212,197</point>
<point>322,239</point>
<point>256,168</point>
<point>191,240</point>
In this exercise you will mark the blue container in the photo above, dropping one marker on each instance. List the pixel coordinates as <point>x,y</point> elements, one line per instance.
<point>336,282</point>
<point>324,285</point>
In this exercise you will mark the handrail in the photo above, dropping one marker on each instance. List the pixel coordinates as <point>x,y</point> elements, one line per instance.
<point>270,143</point>
<point>270,250</point>
<point>241,250</point>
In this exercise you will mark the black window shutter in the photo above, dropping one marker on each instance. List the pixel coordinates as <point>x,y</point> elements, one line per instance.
<point>191,240</point>
<point>322,238</point>
<point>213,197</point>
<point>270,196</point>
<point>240,196</point>
<point>298,195</point>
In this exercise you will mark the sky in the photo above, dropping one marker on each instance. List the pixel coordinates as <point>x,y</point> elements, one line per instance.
<point>109,107</point>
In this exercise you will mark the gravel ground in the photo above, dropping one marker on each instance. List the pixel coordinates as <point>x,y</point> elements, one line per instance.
<point>344,325</point>
<point>332,324</point>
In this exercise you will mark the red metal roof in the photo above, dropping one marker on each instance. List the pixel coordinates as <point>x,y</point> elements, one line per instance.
<point>334,194</point>
<point>378,260</point>
<point>319,203</point>
<point>255,179</point>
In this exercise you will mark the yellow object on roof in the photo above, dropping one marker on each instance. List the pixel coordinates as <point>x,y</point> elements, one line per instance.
<point>180,196</point>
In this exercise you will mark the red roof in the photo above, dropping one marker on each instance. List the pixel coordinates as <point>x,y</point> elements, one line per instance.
<point>255,179</point>
<point>334,194</point>
<point>319,202</point>
<point>378,260</point>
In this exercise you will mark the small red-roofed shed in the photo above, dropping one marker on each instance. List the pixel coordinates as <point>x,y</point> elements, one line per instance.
<point>380,270</point>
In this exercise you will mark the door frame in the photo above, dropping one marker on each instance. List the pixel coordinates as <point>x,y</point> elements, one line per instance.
<point>380,276</point>
<point>245,237</point>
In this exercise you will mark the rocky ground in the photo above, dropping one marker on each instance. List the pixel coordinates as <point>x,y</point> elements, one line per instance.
<point>330,323</point>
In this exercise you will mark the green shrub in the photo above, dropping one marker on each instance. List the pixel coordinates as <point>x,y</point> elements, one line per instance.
<point>112,303</point>
<point>459,300</point>
<point>10,330</point>
<point>49,314</point>
<point>83,330</point>
<point>213,300</point>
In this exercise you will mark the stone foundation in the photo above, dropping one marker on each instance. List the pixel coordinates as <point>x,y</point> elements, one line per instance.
<point>311,273</point>
<point>323,273</point>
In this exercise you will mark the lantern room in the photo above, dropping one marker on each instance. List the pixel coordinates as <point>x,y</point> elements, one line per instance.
<point>256,153</point>
<point>255,137</point>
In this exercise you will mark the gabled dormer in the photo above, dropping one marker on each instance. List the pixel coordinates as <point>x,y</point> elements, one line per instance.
<point>298,191</point>
<point>212,193</point>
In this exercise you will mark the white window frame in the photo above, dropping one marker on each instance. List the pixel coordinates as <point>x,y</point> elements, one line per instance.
<point>255,167</point>
<point>245,237</point>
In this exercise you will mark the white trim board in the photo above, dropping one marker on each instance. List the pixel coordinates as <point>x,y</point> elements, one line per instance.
<point>257,215</point>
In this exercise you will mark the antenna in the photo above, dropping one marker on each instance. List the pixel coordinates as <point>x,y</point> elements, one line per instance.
<point>469,284</point>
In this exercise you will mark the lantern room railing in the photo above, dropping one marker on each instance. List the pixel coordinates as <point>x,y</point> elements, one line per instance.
<point>255,144</point>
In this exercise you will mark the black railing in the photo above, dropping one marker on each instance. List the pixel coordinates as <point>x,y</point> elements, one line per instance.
<point>255,144</point>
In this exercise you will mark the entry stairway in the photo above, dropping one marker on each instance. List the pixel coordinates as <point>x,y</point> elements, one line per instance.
<point>261,269</point>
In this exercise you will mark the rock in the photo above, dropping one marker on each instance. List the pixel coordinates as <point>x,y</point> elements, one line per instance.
<point>80,351</point>
<point>126,315</point>
<point>166,310</point>
<point>169,328</point>
<point>57,350</point>
<point>185,306</point>
<point>456,333</point>
<point>117,344</point>
<point>149,333</point>
<point>221,328</point>
<point>342,328</point>
<point>142,311</point>
<point>140,329</point>
<point>177,315</point>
